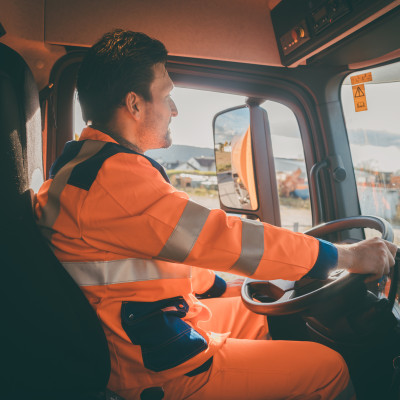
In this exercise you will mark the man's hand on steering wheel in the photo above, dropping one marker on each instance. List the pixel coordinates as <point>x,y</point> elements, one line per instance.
<point>366,260</point>
<point>373,257</point>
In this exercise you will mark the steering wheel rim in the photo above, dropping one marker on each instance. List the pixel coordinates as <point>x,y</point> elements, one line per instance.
<point>338,280</point>
<point>363,221</point>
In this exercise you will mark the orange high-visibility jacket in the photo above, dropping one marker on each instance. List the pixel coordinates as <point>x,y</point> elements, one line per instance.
<point>129,239</point>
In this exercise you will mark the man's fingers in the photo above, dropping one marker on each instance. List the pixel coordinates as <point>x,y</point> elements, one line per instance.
<point>391,260</point>
<point>371,278</point>
<point>391,253</point>
<point>391,247</point>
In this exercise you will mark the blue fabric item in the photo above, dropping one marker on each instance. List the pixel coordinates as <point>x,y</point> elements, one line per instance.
<point>216,290</point>
<point>326,261</point>
<point>85,173</point>
<point>165,339</point>
<point>70,151</point>
<point>154,163</point>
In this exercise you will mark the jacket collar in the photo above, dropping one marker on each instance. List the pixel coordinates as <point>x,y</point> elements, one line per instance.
<point>94,134</point>
<point>103,135</point>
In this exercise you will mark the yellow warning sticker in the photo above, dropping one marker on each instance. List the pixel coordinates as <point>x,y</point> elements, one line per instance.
<point>357,79</point>
<point>360,100</point>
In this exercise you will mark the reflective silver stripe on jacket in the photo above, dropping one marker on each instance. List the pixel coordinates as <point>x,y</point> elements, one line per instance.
<point>252,248</point>
<point>51,210</point>
<point>92,273</point>
<point>186,232</point>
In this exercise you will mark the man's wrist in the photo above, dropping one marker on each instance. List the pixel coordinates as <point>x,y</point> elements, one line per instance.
<point>345,256</point>
<point>326,261</point>
<point>216,290</point>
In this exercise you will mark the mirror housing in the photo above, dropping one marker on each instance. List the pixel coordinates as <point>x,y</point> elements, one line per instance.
<point>234,159</point>
<point>244,161</point>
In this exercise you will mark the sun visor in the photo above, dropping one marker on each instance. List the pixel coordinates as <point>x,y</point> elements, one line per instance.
<point>224,30</point>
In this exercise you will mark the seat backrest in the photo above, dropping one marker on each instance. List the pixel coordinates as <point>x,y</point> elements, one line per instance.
<point>51,339</point>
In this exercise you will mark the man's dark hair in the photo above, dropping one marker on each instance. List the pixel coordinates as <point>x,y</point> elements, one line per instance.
<point>119,63</point>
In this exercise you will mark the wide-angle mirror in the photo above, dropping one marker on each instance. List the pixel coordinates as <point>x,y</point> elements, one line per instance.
<point>234,160</point>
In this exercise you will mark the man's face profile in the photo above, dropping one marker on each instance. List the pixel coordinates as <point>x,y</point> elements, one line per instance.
<point>158,111</point>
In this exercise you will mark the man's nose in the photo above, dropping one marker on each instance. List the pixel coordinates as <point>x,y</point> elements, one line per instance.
<point>174,109</point>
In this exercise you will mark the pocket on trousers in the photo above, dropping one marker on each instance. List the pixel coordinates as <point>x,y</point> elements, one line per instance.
<point>157,327</point>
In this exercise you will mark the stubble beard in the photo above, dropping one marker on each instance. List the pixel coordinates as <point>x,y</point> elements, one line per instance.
<point>168,139</point>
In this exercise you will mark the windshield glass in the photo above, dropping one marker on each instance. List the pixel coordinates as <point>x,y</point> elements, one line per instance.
<point>370,100</point>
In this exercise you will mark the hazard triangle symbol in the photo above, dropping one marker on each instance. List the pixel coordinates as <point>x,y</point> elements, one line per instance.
<point>359,93</point>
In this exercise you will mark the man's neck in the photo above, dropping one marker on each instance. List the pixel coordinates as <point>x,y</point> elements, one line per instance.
<point>119,139</point>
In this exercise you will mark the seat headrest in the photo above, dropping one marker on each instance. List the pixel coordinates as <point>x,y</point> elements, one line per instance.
<point>21,163</point>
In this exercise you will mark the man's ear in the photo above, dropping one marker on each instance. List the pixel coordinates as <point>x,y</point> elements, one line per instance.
<point>133,103</point>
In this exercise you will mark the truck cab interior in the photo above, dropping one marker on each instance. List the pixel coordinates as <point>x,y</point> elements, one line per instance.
<point>317,82</point>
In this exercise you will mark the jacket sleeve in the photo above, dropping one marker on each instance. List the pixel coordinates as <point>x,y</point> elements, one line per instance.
<point>132,211</point>
<point>207,284</point>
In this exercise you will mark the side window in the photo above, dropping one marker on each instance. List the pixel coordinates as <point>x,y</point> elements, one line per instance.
<point>370,101</point>
<point>291,173</point>
<point>79,124</point>
<point>190,161</point>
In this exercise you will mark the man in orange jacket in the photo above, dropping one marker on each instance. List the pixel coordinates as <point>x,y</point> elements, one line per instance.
<point>129,239</point>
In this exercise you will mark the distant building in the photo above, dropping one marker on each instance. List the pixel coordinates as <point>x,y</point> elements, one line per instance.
<point>168,164</point>
<point>195,181</point>
<point>378,192</point>
<point>198,164</point>
<point>171,165</point>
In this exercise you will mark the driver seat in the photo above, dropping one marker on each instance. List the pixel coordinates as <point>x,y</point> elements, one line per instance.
<point>53,346</point>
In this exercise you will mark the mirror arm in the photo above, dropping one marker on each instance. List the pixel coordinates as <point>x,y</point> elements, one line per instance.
<point>254,101</point>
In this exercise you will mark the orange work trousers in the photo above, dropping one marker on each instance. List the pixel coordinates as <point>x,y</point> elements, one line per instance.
<point>250,369</point>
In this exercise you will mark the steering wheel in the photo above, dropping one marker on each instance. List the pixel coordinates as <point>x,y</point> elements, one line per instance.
<point>281,297</point>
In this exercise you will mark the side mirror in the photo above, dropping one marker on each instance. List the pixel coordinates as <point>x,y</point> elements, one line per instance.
<point>234,159</point>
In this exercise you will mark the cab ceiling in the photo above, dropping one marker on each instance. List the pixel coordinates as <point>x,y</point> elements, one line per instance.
<point>229,30</point>
<point>226,30</point>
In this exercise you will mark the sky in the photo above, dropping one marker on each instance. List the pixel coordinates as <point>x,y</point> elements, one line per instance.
<point>197,108</point>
